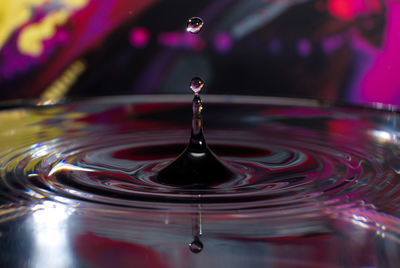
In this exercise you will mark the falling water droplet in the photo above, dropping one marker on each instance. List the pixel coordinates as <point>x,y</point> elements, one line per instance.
<point>196,84</point>
<point>194,25</point>
<point>196,246</point>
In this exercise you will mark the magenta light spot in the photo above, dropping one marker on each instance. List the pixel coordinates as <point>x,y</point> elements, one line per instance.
<point>223,42</point>
<point>172,39</point>
<point>304,47</point>
<point>139,37</point>
<point>179,40</point>
<point>332,43</point>
<point>274,46</point>
<point>191,41</point>
<point>348,10</point>
<point>381,81</point>
<point>342,9</point>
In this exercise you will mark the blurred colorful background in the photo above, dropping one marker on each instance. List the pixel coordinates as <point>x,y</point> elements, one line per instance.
<point>346,50</point>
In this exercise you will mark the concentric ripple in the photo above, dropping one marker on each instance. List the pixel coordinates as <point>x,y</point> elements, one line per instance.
<point>291,158</point>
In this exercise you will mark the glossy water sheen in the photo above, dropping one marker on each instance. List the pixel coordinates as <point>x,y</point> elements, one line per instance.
<point>313,186</point>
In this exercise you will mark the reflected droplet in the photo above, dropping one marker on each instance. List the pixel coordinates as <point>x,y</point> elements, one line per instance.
<point>196,84</point>
<point>194,25</point>
<point>196,246</point>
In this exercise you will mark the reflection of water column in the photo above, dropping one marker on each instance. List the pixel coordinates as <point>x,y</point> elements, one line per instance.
<point>51,247</point>
<point>197,231</point>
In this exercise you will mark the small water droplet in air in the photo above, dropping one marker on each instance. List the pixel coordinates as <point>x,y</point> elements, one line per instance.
<point>196,246</point>
<point>194,25</point>
<point>196,84</point>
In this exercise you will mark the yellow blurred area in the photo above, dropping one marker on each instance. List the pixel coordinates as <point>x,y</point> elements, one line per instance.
<point>31,38</point>
<point>20,127</point>
<point>59,88</point>
<point>75,3</point>
<point>16,13</point>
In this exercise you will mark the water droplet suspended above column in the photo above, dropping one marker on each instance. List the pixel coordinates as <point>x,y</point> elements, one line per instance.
<point>196,84</point>
<point>194,25</point>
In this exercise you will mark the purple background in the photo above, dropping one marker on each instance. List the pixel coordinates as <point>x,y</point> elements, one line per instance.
<point>344,50</point>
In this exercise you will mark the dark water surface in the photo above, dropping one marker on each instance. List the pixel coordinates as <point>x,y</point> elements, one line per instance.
<point>314,185</point>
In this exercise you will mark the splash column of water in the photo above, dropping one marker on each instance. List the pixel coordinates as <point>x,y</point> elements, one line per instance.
<point>197,140</point>
<point>194,25</point>
<point>197,166</point>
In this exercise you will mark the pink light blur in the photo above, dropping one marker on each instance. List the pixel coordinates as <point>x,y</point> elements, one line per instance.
<point>381,82</point>
<point>177,40</point>
<point>332,43</point>
<point>139,37</point>
<point>189,40</point>
<point>348,9</point>
<point>223,42</point>
<point>342,9</point>
<point>274,46</point>
<point>172,39</point>
<point>304,47</point>
<point>192,41</point>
